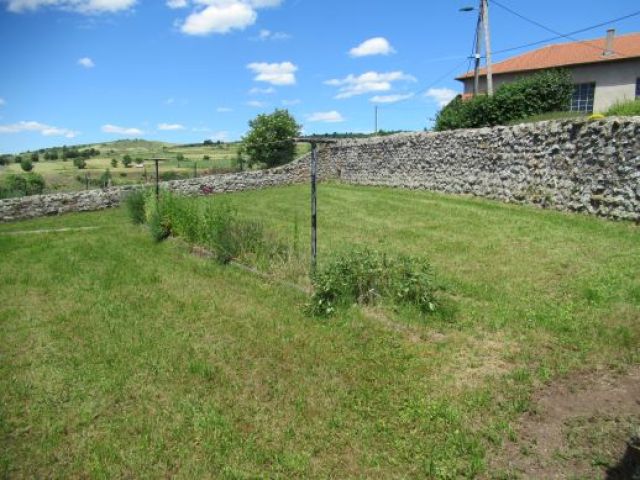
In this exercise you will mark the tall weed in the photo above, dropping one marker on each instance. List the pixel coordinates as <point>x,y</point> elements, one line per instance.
<point>366,277</point>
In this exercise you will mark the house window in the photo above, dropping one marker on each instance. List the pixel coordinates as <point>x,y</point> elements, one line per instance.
<point>582,99</point>
<point>638,88</point>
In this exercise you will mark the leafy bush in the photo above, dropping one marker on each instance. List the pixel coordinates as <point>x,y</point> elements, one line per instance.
<point>366,276</point>
<point>269,141</point>
<point>624,109</point>
<point>105,179</point>
<point>548,91</point>
<point>21,185</point>
<point>26,164</point>
<point>171,175</point>
<point>134,203</point>
<point>79,162</point>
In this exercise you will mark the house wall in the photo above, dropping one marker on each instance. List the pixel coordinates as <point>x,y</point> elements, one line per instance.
<point>615,81</point>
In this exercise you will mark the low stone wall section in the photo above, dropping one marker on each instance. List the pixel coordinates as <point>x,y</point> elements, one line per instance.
<point>99,199</point>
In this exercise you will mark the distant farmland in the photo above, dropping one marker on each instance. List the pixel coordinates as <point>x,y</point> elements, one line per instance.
<point>195,160</point>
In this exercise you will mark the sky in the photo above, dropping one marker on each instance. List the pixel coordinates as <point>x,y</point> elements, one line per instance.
<point>85,71</point>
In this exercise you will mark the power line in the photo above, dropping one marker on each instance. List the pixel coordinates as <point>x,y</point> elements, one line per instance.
<point>559,34</point>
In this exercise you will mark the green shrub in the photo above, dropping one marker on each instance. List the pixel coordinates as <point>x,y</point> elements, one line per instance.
<point>80,163</point>
<point>365,276</point>
<point>105,179</point>
<point>26,164</point>
<point>548,91</point>
<point>21,185</point>
<point>158,226</point>
<point>625,109</point>
<point>171,175</point>
<point>134,203</point>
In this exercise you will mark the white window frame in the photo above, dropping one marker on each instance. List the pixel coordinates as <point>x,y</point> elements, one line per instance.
<point>583,97</point>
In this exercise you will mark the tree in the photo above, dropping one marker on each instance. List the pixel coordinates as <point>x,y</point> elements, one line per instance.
<point>26,164</point>
<point>114,162</point>
<point>126,161</point>
<point>80,163</point>
<point>270,140</point>
<point>105,179</point>
<point>35,157</point>
<point>180,158</point>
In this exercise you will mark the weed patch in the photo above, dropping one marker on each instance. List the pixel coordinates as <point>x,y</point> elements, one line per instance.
<point>366,276</point>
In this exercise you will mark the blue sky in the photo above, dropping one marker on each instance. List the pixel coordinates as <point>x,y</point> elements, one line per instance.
<point>83,71</point>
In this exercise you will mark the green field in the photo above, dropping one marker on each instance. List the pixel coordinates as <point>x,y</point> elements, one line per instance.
<point>64,176</point>
<point>122,357</point>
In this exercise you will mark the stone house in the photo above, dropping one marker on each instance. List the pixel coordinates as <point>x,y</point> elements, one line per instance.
<point>605,70</point>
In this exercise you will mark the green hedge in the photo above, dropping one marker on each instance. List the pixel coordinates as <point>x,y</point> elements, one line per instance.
<point>21,185</point>
<point>548,91</point>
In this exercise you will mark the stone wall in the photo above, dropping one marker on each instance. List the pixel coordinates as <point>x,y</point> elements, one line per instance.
<point>583,166</point>
<point>580,166</point>
<point>88,200</point>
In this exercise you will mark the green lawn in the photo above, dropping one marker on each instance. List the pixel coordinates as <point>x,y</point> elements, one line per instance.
<point>125,358</point>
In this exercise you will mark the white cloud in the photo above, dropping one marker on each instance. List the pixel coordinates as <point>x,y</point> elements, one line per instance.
<point>2,102</point>
<point>169,101</point>
<point>224,110</point>
<point>391,98</point>
<point>442,96</point>
<point>265,35</point>
<point>256,104</point>
<point>88,7</point>
<point>170,127</point>
<point>291,103</point>
<point>221,16</point>
<point>129,132</point>
<point>326,117</point>
<point>373,46</point>
<point>174,4</point>
<point>221,136</point>
<point>368,82</point>
<point>274,73</point>
<point>262,91</point>
<point>86,62</point>
<point>46,130</point>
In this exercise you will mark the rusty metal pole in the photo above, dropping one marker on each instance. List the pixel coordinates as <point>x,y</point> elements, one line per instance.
<point>314,208</point>
<point>157,179</point>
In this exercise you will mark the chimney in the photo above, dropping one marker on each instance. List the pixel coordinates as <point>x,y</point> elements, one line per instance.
<point>608,49</point>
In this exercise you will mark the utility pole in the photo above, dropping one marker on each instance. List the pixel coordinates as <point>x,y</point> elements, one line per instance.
<point>375,109</point>
<point>478,56</point>
<point>484,12</point>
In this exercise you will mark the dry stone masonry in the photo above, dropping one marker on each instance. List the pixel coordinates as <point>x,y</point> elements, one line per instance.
<point>583,166</point>
<point>579,166</point>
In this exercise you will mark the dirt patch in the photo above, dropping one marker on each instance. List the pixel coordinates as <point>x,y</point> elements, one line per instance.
<point>578,429</point>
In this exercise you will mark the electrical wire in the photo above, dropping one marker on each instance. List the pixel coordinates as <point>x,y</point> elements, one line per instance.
<point>559,34</point>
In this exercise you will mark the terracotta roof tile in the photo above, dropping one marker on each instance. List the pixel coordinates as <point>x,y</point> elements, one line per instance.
<point>567,54</point>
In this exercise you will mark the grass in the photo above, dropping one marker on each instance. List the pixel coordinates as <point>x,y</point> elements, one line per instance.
<point>62,175</point>
<point>628,108</point>
<point>549,116</point>
<point>123,357</point>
